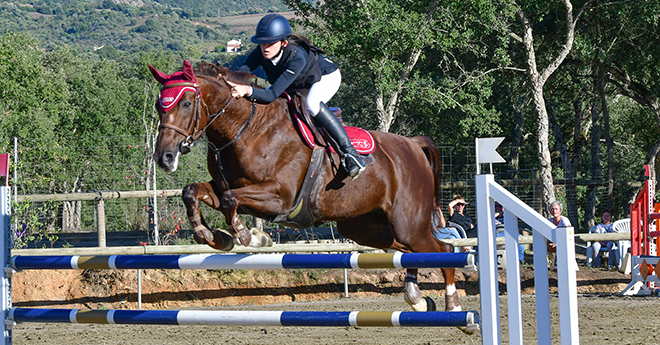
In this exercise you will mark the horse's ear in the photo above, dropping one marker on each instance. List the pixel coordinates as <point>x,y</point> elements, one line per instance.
<point>188,73</point>
<point>160,76</point>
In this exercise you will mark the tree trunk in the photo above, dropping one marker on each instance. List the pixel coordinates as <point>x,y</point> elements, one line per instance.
<point>567,163</point>
<point>592,191</point>
<point>543,148</point>
<point>518,139</point>
<point>608,139</point>
<point>536,81</point>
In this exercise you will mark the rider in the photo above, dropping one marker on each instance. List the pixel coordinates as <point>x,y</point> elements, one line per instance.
<point>293,64</point>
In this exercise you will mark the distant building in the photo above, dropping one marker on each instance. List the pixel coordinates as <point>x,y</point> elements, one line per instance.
<point>234,46</point>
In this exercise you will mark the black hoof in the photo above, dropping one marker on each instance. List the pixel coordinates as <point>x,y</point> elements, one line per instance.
<point>430,304</point>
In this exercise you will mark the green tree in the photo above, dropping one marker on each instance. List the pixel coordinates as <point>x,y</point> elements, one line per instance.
<point>410,67</point>
<point>33,97</point>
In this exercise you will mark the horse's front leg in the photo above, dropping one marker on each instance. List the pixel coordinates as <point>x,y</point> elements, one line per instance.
<point>218,239</point>
<point>264,198</point>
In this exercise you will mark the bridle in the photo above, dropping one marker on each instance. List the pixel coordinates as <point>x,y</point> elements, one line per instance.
<point>193,132</point>
<point>187,144</point>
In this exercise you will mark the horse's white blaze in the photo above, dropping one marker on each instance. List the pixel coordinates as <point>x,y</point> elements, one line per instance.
<point>175,164</point>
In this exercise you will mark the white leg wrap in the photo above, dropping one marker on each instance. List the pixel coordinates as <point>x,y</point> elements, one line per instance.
<point>259,239</point>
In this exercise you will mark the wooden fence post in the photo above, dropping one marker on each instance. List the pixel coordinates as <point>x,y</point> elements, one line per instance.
<point>100,214</point>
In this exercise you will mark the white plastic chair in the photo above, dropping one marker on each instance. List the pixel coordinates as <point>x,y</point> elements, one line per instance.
<point>622,225</point>
<point>459,228</point>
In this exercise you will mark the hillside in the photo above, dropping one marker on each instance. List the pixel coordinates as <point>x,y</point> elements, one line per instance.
<point>118,27</point>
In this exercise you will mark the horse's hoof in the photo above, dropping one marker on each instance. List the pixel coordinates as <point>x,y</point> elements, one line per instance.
<point>225,239</point>
<point>260,239</point>
<point>430,304</point>
<point>199,238</point>
<point>466,330</point>
<point>420,305</point>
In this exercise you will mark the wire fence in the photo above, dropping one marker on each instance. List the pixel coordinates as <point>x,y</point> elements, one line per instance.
<point>124,163</point>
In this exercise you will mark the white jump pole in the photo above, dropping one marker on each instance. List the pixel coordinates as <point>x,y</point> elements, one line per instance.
<point>5,223</point>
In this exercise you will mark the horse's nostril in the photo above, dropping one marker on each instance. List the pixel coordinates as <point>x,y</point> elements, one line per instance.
<point>168,158</point>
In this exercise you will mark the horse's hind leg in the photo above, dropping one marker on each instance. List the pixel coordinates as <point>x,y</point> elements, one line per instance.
<point>191,195</point>
<point>413,296</point>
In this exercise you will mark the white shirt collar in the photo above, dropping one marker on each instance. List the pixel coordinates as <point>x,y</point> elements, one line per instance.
<point>276,59</point>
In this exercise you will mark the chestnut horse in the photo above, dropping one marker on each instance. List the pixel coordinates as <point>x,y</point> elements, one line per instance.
<point>258,161</point>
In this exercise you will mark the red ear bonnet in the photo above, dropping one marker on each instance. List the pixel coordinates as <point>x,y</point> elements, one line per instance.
<point>170,96</point>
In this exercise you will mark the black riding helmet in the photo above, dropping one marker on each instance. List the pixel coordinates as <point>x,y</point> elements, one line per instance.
<point>272,28</point>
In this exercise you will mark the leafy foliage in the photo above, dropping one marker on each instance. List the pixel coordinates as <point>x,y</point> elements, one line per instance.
<point>124,28</point>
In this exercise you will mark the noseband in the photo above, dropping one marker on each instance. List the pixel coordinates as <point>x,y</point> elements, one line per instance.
<point>193,132</point>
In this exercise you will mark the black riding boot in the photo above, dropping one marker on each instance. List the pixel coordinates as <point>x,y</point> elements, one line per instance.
<point>351,159</point>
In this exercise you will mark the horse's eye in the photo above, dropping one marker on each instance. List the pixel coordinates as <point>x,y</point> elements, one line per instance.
<point>186,104</point>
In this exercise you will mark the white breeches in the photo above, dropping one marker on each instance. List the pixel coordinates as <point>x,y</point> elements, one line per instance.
<point>322,91</point>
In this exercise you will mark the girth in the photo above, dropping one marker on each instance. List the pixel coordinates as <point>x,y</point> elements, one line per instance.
<point>300,215</point>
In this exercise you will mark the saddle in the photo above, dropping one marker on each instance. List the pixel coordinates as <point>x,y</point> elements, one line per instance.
<point>314,136</point>
<point>300,216</point>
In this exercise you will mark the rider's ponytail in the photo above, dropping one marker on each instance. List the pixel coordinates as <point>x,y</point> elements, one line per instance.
<point>303,41</point>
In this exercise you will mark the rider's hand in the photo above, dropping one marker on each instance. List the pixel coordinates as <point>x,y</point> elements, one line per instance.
<point>240,90</point>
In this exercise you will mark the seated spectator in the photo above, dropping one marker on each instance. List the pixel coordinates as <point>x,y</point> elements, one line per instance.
<point>442,230</point>
<point>556,208</point>
<point>604,227</point>
<point>456,209</point>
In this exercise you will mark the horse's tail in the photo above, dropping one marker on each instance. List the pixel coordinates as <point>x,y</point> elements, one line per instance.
<point>433,156</point>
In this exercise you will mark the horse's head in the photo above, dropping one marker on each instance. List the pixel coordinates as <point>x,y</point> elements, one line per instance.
<point>179,111</point>
<point>180,106</point>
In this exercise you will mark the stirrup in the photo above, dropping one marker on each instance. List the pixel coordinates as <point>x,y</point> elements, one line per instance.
<point>354,165</point>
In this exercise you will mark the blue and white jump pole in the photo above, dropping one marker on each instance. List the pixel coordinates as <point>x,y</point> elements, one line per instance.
<point>246,261</point>
<point>249,318</point>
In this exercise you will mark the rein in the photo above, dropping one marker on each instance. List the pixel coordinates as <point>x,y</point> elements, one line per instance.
<point>217,151</point>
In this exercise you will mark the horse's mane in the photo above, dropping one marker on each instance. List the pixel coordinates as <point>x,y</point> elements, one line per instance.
<point>213,70</point>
